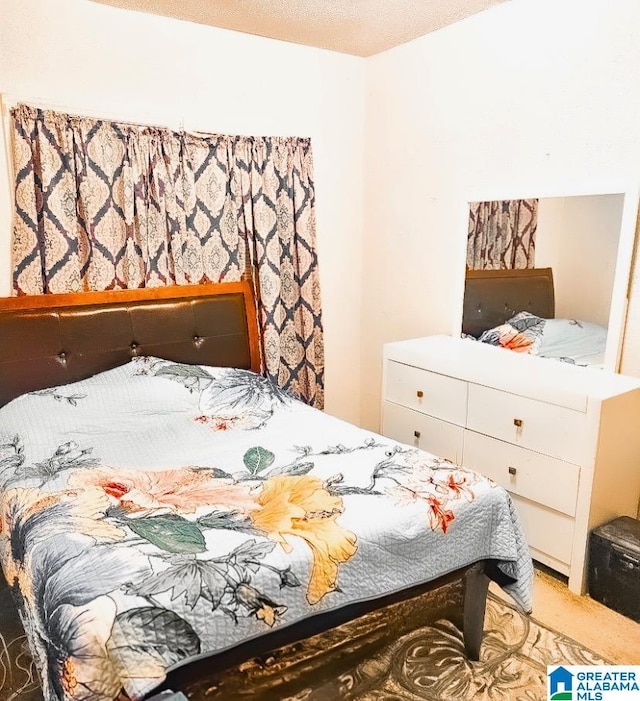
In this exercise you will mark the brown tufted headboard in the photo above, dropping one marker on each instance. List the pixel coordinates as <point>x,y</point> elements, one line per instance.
<point>493,296</point>
<point>50,340</point>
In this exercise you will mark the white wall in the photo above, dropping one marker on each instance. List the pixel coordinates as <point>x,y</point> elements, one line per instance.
<point>528,98</point>
<point>577,237</point>
<point>103,61</point>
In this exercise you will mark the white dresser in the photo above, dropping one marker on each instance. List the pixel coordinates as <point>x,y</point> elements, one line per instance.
<point>563,440</point>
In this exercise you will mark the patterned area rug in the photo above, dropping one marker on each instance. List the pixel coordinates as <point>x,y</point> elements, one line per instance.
<point>430,664</point>
<point>426,664</point>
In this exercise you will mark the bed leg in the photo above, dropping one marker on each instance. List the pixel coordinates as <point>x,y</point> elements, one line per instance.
<point>475,601</point>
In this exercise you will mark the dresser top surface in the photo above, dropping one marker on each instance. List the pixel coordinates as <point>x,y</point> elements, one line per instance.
<point>506,370</point>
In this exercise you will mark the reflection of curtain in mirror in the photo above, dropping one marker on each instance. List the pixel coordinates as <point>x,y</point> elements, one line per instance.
<point>502,234</point>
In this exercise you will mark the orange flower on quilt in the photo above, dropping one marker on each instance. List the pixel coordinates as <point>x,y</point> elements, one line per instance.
<point>142,492</point>
<point>518,342</point>
<point>300,506</point>
<point>439,515</point>
<point>458,484</point>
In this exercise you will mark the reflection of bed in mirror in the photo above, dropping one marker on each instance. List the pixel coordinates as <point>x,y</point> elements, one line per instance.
<point>585,235</point>
<point>515,310</point>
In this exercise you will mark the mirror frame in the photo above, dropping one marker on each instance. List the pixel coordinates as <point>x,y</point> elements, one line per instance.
<point>626,243</point>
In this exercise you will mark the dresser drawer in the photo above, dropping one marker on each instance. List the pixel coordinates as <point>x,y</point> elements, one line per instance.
<point>435,436</point>
<point>537,477</point>
<point>547,531</point>
<point>545,428</point>
<point>428,392</point>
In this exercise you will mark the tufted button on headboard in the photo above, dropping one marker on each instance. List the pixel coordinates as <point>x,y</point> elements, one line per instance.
<point>52,340</point>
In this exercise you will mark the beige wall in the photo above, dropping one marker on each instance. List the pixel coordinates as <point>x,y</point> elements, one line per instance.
<point>577,238</point>
<point>90,58</point>
<point>528,98</point>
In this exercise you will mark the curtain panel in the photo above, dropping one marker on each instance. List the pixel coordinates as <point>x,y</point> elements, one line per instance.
<point>105,205</point>
<point>502,234</point>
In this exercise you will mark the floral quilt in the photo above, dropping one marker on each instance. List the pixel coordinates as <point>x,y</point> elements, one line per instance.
<point>521,333</point>
<point>567,340</point>
<point>160,512</point>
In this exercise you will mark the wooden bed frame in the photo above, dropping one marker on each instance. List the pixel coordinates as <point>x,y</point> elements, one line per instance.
<point>52,340</point>
<point>493,296</point>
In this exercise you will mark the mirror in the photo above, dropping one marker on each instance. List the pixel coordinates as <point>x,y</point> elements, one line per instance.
<point>580,248</point>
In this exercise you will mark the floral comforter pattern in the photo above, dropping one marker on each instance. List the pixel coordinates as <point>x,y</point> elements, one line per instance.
<point>159,512</point>
<point>570,341</point>
<point>521,333</point>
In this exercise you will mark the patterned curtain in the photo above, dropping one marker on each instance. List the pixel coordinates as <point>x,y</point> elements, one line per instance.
<point>502,234</point>
<point>104,205</point>
<point>278,223</point>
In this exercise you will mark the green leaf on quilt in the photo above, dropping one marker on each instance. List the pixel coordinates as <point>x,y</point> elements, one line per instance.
<point>170,532</point>
<point>257,459</point>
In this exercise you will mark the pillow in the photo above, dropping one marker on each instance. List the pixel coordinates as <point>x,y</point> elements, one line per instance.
<point>581,341</point>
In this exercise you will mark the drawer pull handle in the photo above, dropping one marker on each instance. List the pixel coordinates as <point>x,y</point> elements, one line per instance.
<point>420,394</point>
<point>512,470</point>
<point>517,422</point>
<point>416,434</point>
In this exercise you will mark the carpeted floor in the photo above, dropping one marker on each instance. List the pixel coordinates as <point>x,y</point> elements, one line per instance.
<point>426,664</point>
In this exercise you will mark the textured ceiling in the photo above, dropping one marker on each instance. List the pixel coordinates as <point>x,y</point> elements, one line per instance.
<point>360,27</point>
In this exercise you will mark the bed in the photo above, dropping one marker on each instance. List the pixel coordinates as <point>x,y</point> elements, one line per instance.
<point>167,513</point>
<point>515,310</point>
